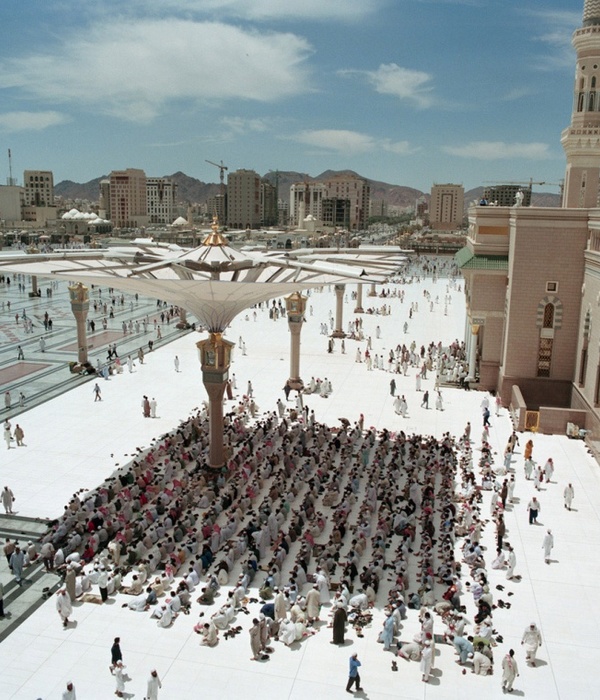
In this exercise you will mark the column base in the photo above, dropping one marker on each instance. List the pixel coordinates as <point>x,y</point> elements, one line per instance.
<point>359,310</point>
<point>296,384</point>
<point>338,334</point>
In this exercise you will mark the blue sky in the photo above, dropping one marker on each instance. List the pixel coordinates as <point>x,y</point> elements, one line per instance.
<point>410,92</point>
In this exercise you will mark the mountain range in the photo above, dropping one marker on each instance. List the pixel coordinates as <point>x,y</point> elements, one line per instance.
<point>194,191</point>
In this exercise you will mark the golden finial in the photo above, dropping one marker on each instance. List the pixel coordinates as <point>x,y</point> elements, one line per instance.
<point>214,238</point>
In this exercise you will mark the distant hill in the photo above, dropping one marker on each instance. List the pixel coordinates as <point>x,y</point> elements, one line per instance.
<point>195,191</point>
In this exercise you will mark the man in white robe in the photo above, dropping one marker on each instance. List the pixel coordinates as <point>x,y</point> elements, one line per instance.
<point>313,603</point>
<point>532,639</point>
<point>510,671</point>
<point>63,606</point>
<point>547,545</point>
<point>569,495</point>
<point>323,586</point>
<point>153,685</point>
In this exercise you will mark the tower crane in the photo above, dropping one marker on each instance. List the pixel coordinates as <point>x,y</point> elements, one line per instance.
<point>528,183</point>
<point>222,169</point>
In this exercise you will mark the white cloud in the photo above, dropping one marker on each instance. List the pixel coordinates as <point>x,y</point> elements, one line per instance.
<point>350,142</point>
<point>257,10</point>
<point>240,125</point>
<point>404,83</point>
<point>134,69</point>
<point>31,121</point>
<point>555,28</point>
<point>499,150</point>
<point>516,93</point>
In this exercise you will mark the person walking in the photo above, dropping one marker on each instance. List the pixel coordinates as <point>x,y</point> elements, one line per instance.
<point>64,606</point>
<point>532,639</point>
<point>486,417</point>
<point>19,435</point>
<point>103,583</point>
<point>534,508</point>
<point>7,434</point>
<point>511,562</point>
<point>8,498</point>
<point>115,654</point>
<point>17,562</point>
<point>97,392</point>
<point>569,495</point>
<point>20,353</point>
<point>353,674</point>
<point>393,387</point>
<point>153,408</point>
<point>69,693</point>
<point>119,674</point>
<point>176,363</point>
<point>153,686</point>
<point>425,402</point>
<point>547,545</point>
<point>510,671</point>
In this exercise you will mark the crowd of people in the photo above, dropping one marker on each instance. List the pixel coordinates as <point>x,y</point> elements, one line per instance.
<point>307,525</point>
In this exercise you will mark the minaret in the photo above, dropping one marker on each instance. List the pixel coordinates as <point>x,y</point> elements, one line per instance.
<point>581,140</point>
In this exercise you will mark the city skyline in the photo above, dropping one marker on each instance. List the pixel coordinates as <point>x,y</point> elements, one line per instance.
<point>374,86</point>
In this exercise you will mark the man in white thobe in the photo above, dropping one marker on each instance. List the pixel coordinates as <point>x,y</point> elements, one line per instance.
<point>153,685</point>
<point>532,639</point>
<point>547,545</point>
<point>569,495</point>
<point>63,605</point>
<point>510,671</point>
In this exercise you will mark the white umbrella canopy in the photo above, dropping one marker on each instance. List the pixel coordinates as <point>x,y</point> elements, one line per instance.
<point>214,281</point>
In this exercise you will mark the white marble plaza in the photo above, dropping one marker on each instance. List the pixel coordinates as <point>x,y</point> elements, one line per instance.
<point>74,442</point>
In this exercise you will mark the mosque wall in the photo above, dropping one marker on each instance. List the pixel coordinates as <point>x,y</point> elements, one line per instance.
<point>544,299</point>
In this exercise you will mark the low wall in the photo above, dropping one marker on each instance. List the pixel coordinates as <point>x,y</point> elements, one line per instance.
<point>518,408</point>
<point>538,392</point>
<point>554,421</point>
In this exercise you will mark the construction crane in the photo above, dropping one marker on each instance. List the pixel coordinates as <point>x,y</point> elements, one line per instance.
<point>529,184</point>
<point>222,169</point>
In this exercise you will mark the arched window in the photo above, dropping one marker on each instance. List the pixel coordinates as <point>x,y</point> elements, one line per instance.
<point>548,320</point>
<point>580,102</point>
<point>593,81</point>
<point>591,101</point>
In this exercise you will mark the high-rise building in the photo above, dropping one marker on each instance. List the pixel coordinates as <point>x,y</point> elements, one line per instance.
<point>507,195</point>
<point>268,203</point>
<point>306,198</point>
<point>243,199</point>
<point>217,206</point>
<point>105,199</point>
<point>39,188</point>
<point>128,198</point>
<point>11,202</point>
<point>446,207</point>
<point>357,191</point>
<point>161,194</point>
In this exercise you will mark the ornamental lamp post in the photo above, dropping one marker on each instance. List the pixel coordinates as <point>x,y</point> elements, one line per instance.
<point>295,306</point>
<point>80,303</point>
<point>215,359</point>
